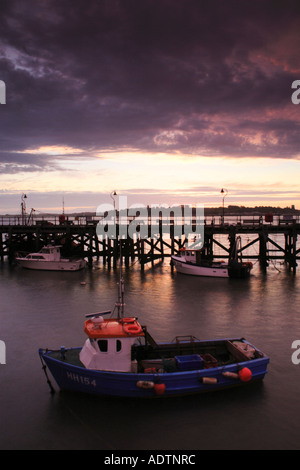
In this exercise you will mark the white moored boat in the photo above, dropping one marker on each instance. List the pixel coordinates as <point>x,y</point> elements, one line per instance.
<point>197,262</point>
<point>49,259</point>
<point>191,262</point>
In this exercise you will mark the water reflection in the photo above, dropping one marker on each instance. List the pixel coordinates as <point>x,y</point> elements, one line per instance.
<point>47,310</point>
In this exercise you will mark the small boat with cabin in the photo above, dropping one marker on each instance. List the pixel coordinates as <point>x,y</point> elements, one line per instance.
<point>49,259</point>
<point>192,262</point>
<point>120,358</point>
<point>198,262</point>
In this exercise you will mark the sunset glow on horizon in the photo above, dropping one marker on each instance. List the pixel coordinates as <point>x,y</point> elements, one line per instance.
<point>159,179</point>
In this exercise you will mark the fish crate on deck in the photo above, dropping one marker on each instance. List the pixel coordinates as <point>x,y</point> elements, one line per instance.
<point>209,361</point>
<point>190,362</point>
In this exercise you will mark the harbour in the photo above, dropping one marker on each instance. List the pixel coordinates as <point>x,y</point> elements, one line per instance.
<point>149,229</point>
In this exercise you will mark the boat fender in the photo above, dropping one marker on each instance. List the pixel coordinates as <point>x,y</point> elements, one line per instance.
<point>209,380</point>
<point>145,384</point>
<point>230,375</point>
<point>245,374</point>
<point>159,389</point>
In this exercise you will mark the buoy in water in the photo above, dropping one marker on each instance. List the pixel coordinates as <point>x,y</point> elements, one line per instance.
<point>245,374</point>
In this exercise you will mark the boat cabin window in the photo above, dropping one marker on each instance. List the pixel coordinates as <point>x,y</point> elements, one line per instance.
<point>103,346</point>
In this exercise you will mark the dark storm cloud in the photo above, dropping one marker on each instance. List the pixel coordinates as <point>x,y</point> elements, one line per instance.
<point>188,76</point>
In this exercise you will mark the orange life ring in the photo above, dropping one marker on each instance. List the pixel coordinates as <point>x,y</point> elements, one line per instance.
<point>132,329</point>
<point>128,320</point>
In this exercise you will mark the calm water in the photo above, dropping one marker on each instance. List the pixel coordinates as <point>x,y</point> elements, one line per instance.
<point>47,310</point>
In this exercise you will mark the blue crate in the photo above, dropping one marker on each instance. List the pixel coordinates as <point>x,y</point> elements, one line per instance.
<point>191,362</point>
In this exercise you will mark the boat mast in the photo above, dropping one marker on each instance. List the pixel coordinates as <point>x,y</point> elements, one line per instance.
<point>120,304</point>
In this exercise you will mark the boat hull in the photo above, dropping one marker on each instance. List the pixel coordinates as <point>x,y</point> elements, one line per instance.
<point>122,384</point>
<point>203,271</point>
<point>38,265</point>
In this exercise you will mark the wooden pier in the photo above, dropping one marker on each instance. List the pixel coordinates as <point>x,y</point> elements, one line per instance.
<point>262,241</point>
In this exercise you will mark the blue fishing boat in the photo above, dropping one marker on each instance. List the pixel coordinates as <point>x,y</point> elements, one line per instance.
<point>167,369</point>
<point>120,358</point>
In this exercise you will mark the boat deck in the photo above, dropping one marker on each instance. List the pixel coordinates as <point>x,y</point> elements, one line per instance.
<point>214,353</point>
<point>164,357</point>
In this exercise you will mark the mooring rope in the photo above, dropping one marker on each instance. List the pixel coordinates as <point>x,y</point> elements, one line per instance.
<point>44,367</point>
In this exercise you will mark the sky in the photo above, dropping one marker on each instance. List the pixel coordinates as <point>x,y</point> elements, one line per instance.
<point>162,101</point>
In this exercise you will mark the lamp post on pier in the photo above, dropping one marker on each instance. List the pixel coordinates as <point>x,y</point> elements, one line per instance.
<point>23,209</point>
<point>112,194</point>
<point>224,192</point>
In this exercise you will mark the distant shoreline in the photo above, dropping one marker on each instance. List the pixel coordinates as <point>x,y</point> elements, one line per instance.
<point>259,210</point>
<point>208,211</point>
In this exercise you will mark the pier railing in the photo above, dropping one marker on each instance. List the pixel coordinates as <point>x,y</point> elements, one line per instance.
<point>239,220</point>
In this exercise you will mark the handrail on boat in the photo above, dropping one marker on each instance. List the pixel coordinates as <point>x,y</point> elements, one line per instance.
<point>181,339</point>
